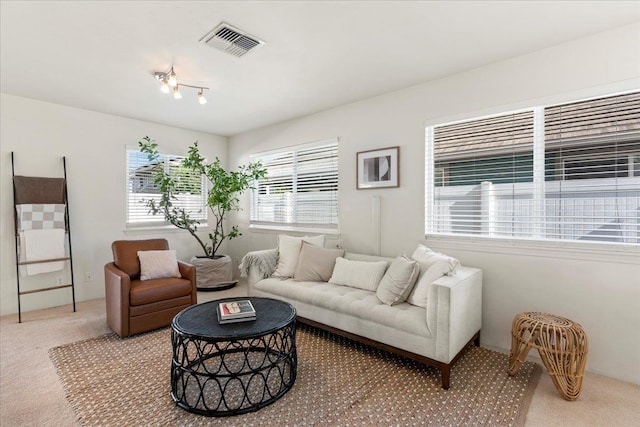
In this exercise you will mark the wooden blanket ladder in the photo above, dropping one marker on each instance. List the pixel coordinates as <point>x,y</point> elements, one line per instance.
<point>29,190</point>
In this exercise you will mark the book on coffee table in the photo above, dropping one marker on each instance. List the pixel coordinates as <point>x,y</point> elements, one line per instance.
<point>236,311</point>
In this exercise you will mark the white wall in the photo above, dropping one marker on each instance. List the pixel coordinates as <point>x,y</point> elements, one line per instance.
<point>600,290</point>
<point>94,144</point>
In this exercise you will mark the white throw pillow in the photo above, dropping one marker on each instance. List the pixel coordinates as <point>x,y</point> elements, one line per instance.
<point>158,264</point>
<point>358,274</point>
<point>433,265</point>
<point>289,251</point>
<point>398,281</point>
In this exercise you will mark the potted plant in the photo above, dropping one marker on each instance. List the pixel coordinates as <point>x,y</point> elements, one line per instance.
<point>214,271</point>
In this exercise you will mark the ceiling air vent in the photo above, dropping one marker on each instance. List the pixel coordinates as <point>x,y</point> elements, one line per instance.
<point>231,40</point>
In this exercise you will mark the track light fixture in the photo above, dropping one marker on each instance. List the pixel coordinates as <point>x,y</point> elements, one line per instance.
<point>176,92</point>
<point>165,86</point>
<point>201,97</point>
<point>170,83</point>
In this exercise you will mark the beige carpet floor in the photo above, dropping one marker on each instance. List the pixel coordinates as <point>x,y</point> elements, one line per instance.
<point>31,393</point>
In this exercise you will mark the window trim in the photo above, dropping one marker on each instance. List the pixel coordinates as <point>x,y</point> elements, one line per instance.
<point>307,230</point>
<point>566,249</point>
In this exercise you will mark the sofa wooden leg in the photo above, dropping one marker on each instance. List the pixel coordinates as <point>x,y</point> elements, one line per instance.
<point>445,372</point>
<point>476,340</point>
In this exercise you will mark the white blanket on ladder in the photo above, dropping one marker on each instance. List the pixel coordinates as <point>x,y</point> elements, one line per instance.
<point>42,244</point>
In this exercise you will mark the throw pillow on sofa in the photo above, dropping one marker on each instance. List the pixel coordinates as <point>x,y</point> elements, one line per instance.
<point>398,281</point>
<point>289,251</point>
<point>358,274</point>
<point>433,265</point>
<point>158,264</point>
<point>315,264</point>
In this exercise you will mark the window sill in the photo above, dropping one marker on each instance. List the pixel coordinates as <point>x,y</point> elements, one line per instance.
<point>628,254</point>
<point>275,229</point>
<point>158,228</point>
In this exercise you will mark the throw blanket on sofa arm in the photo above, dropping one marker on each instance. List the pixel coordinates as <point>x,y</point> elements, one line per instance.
<point>264,260</point>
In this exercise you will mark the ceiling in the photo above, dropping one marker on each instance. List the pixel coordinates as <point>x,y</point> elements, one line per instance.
<point>101,56</point>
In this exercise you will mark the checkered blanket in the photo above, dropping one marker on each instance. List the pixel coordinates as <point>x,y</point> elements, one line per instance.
<point>40,216</point>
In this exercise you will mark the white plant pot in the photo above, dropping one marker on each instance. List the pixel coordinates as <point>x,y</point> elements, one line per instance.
<point>214,274</point>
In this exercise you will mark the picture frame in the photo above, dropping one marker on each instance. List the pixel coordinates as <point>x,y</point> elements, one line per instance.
<point>378,168</point>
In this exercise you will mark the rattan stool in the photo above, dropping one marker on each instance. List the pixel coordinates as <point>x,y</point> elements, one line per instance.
<point>562,345</point>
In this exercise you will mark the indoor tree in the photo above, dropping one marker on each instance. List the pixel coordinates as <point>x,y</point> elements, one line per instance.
<point>224,189</point>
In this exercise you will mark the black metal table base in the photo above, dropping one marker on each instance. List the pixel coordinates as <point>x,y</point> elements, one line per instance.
<point>231,377</point>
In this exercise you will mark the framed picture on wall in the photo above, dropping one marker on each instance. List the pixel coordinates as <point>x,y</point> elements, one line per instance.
<point>378,168</point>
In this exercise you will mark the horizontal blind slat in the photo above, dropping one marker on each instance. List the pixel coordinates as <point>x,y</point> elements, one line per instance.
<point>515,129</point>
<point>303,191</point>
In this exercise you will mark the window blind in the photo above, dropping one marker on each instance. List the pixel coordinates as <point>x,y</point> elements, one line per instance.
<point>485,135</point>
<point>592,187</point>
<point>190,190</point>
<point>301,187</point>
<point>478,163</point>
<point>561,172</point>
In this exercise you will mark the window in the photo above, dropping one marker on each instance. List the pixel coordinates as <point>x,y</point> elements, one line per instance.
<point>301,188</point>
<point>561,172</point>
<point>190,189</point>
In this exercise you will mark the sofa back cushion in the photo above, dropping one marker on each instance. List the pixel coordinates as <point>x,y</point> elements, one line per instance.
<point>358,274</point>
<point>433,265</point>
<point>398,281</point>
<point>289,250</point>
<point>352,256</point>
<point>315,264</point>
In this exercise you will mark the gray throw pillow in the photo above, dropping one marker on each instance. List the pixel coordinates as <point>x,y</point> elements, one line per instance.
<point>315,264</point>
<point>398,281</point>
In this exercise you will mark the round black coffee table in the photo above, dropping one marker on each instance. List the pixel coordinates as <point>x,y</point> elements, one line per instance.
<point>231,369</point>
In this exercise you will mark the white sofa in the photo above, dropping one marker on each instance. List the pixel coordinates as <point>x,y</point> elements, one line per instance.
<point>435,335</point>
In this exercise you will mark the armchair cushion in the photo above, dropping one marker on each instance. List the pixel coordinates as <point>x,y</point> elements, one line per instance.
<point>155,290</point>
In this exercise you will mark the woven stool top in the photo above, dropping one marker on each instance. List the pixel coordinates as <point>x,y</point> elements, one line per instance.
<point>549,319</point>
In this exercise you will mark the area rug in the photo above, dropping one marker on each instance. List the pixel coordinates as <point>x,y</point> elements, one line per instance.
<point>119,382</point>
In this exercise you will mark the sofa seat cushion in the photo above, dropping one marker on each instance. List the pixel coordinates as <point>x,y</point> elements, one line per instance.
<point>155,290</point>
<point>350,301</point>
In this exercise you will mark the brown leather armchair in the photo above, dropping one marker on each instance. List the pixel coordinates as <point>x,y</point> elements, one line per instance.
<point>135,306</point>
